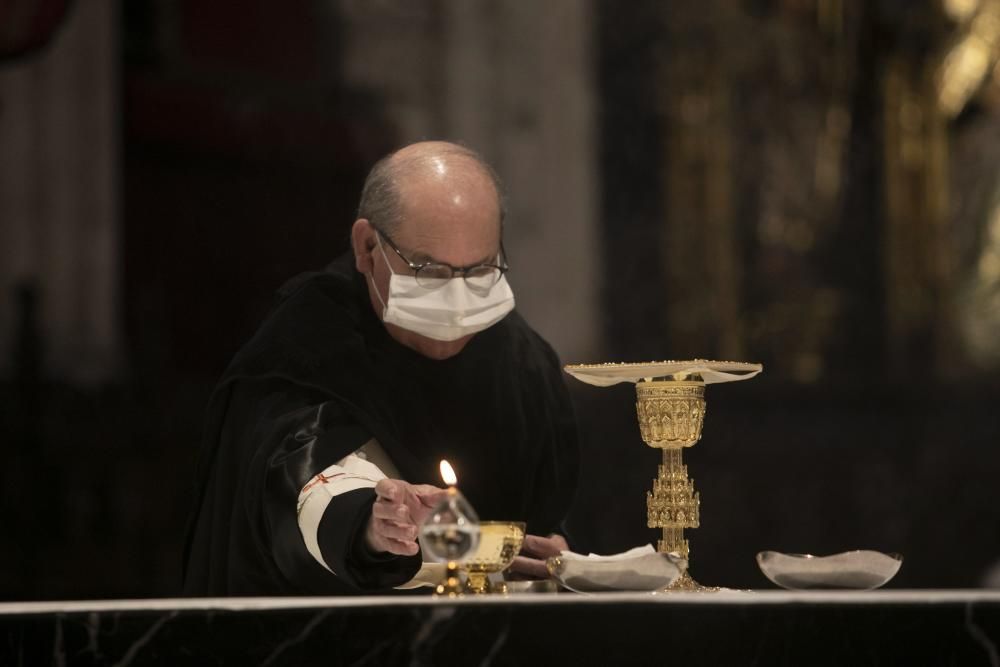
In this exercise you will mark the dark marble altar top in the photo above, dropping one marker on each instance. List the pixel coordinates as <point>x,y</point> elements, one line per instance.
<point>914,627</point>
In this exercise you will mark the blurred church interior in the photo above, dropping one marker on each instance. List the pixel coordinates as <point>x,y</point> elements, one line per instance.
<point>809,184</point>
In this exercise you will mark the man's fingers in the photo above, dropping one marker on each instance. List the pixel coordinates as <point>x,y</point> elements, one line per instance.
<point>429,495</point>
<point>396,531</point>
<point>420,513</point>
<point>530,567</point>
<point>428,489</point>
<point>394,546</point>
<point>416,495</point>
<point>425,498</point>
<point>388,536</point>
<point>542,547</point>
<point>383,509</point>
<point>402,548</point>
<point>389,489</point>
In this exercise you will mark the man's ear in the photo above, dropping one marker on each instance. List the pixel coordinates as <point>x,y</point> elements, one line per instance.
<point>363,241</point>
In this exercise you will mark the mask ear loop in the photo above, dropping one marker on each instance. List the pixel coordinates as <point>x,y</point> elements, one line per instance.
<point>378,242</point>
<point>371,275</point>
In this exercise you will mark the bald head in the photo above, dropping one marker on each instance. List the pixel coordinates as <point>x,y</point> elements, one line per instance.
<point>439,203</point>
<point>422,167</point>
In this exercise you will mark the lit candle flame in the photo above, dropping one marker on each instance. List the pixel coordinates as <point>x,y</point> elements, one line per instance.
<point>448,473</point>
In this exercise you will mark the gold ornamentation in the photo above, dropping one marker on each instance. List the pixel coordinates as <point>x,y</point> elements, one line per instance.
<point>451,585</point>
<point>629,364</point>
<point>499,543</point>
<point>673,504</point>
<point>671,413</point>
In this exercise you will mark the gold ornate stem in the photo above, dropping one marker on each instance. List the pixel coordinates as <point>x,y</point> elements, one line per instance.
<point>673,504</point>
<point>671,414</point>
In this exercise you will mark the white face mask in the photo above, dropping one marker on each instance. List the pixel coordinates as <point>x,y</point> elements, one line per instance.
<point>445,313</point>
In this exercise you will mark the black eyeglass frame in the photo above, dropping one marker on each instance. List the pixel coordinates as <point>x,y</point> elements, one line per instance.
<point>460,270</point>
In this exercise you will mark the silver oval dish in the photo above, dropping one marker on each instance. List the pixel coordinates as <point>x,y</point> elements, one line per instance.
<point>642,572</point>
<point>857,570</point>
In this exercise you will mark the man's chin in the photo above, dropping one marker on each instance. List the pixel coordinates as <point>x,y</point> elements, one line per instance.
<point>440,350</point>
<point>431,348</point>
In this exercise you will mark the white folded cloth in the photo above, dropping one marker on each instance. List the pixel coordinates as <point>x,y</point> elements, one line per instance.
<point>625,555</point>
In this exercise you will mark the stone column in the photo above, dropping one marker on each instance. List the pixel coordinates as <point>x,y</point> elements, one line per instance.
<point>58,195</point>
<point>514,80</point>
<point>520,87</point>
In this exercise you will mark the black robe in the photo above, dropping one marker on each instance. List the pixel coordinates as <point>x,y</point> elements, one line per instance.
<point>321,377</point>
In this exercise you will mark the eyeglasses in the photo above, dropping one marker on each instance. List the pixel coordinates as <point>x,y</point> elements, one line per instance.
<point>432,275</point>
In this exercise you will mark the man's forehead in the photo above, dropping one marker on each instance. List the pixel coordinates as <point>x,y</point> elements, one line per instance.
<point>449,213</point>
<point>457,249</point>
<point>452,174</point>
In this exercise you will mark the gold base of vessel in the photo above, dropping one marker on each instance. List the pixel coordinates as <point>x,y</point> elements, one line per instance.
<point>499,543</point>
<point>686,584</point>
<point>451,585</point>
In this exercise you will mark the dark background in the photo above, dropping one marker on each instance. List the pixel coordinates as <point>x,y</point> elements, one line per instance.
<point>241,155</point>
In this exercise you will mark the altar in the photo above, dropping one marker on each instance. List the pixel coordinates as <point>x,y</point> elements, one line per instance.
<point>888,627</point>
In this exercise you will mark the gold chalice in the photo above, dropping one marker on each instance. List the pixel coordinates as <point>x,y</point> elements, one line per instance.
<point>499,543</point>
<point>670,405</point>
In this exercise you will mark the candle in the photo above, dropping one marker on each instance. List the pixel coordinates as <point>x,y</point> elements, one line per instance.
<point>448,474</point>
<point>452,529</point>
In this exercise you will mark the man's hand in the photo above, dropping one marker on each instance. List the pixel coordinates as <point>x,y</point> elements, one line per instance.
<point>534,551</point>
<point>397,514</point>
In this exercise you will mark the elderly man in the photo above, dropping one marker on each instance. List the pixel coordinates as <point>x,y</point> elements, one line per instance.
<point>324,435</point>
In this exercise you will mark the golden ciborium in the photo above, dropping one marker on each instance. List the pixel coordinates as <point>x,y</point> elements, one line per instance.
<point>499,543</point>
<point>670,404</point>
